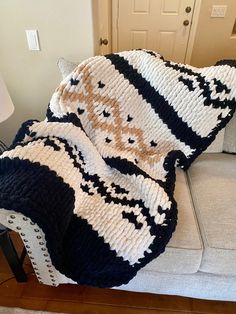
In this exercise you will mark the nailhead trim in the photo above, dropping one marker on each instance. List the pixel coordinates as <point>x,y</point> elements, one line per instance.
<point>12,216</point>
<point>22,234</point>
<point>18,228</point>
<point>43,249</point>
<point>25,219</point>
<point>38,237</point>
<point>36,230</point>
<point>10,221</point>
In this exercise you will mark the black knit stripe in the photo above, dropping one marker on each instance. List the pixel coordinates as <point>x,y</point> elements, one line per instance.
<point>231,63</point>
<point>67,118</point>
<point>127,167</point>
<point>26,187</point>
<point>166,112</point>
<point>23,130</point>
<point>88,260</point>
<point>150,52</point>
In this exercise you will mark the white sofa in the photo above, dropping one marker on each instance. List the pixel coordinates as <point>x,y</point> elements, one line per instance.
<point>200,259</point>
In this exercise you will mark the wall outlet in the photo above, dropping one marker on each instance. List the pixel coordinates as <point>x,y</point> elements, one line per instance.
<point>32,39</point>
<point>218,10</point>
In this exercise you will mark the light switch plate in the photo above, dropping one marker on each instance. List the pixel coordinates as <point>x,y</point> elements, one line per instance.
<point>218,11</point>
<point>32,39</point>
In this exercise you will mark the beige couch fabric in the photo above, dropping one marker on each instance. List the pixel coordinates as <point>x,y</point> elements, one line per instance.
<point>66,67</point>
<point>200,285</point>
<point>217,145</point>
<point>213,186</point>
<point>184,251</point>
<point>230,136</point>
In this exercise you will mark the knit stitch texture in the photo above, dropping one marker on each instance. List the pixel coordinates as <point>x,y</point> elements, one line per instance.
<point>98,174</point>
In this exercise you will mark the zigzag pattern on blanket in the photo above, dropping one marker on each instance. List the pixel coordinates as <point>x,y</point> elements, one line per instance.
<point>98,174</point>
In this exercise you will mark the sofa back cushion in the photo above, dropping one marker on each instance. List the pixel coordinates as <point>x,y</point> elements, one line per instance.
<point>217,145</point>
<point>230,136</point>
<point>66,67</point>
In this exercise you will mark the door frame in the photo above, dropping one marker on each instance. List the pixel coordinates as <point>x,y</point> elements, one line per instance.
<point>112,25</point>
<point>193,31</point>
<point>101,14</point>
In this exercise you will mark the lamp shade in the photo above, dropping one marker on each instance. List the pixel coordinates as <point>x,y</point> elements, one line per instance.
<point>6,105</point>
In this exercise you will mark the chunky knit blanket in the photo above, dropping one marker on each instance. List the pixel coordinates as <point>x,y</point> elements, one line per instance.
<point>98,174</point>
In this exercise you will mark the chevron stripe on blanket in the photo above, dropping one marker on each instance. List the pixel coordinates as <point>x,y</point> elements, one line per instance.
<point>98,174</point>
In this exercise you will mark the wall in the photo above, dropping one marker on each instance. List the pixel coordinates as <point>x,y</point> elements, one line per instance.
<point>213,39</point>
<point>65,29</point>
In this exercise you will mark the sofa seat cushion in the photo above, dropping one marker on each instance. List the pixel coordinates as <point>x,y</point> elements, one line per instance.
<point>184,251</point>
<point>212,180</point>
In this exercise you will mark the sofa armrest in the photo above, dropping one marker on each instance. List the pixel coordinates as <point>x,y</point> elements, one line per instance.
<point>34,240</point>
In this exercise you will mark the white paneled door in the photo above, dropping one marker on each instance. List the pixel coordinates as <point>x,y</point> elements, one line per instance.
<point>159,25</point>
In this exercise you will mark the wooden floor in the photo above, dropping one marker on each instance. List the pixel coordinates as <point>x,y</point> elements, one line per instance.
<point>76,299</point>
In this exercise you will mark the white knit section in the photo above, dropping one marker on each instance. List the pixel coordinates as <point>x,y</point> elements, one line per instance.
<point>188,104</point>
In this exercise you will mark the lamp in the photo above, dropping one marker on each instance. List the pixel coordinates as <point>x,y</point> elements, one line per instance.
<point>6,110</point>
<point>6,107</point>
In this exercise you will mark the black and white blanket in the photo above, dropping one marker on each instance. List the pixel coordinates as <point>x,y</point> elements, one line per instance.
<point>98,174</point>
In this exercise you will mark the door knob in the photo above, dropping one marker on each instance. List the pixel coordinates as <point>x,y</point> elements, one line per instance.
<point>103,41</point>
<point>188,9</point>
<point>186,22</point>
